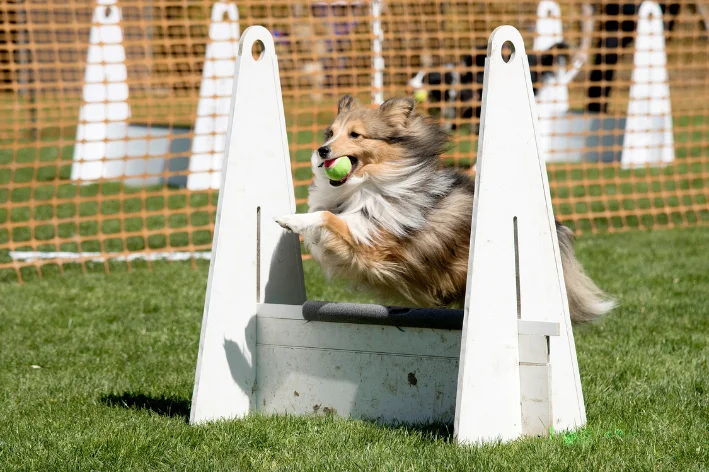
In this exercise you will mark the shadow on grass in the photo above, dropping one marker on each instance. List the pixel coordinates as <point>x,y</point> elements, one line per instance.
<point>434,431</point>
<point>172,407</point>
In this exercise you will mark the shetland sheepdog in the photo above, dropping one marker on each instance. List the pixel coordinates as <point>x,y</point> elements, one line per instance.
<point>398,223</point>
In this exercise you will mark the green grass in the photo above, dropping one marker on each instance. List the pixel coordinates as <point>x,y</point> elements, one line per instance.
<point>116,356</point>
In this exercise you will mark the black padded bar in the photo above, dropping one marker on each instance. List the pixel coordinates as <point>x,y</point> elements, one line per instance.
<point>358,313</point>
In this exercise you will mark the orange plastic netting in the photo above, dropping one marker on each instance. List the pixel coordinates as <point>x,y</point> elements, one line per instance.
<point>142,196</point>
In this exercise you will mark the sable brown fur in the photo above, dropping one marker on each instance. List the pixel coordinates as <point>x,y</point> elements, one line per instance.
<point>399,223</point>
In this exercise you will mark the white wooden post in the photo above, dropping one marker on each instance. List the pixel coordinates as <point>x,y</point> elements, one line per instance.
<point>101,134</point>
<point>377,59</point>
<point>253,260</point>
<point>214,98</point>
<point>515,267</point>
<point>648,130</point>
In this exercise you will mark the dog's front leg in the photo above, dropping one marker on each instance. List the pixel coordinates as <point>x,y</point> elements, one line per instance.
<point>301,223</point>
<point>312,225</point>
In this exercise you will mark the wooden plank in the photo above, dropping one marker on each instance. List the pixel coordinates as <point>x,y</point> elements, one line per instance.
<point>363,385</point>
<point>543,328</point>
<point>536,405</point>
<point>357,337</point>
<point>533,349</point>
<point>253,260</point>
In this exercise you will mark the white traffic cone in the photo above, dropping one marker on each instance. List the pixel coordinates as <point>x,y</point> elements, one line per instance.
<point>103,120</point>
<point>214,98</point>
<point>648,130</point>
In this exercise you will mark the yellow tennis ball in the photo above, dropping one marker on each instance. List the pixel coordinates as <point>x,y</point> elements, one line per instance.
<point>338,169</point>
<point>420,95</point>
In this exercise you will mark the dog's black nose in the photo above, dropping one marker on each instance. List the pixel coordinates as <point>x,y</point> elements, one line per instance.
<point>324,151</point>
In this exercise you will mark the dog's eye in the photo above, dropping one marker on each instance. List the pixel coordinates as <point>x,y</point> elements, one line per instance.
<point>354,135</point>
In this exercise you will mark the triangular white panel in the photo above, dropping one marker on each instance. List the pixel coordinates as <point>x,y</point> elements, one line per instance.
<point>214,98</point>
<point>103,118</point>
<point>513,226</point>
<point>648,130</point>
<point>253,259</point>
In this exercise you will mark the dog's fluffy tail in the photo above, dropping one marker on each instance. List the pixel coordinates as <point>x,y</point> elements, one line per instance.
<point>586,301</point>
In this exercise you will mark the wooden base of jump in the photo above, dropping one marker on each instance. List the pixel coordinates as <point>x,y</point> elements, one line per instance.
<point>503,367</point>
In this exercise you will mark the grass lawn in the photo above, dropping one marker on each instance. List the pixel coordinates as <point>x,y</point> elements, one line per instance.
<point>96,373</point>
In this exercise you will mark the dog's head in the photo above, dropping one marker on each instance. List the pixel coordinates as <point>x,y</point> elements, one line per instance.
<point>379,142</point>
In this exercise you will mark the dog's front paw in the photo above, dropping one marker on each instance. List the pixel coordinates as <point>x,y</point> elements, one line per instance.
<point>299,223</point>
<point>286,222</point>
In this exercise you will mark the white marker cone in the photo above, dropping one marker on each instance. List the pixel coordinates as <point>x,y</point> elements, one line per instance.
<point>214,98</point>
<point>553,96</point>
<point>549,29</point>
<point>648,130</point>
<point>103,120</point>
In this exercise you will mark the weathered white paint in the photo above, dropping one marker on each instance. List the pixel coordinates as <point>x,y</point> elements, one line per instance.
<point>375,372</point>
<point>360,371</point>
<point>533,349</point>
<point>357,337</point>
<point>511,182</point>
<point>648,132</point>
<point>535,393</point>
<point>101,134</point>
<point>359,384</point>
<point>256,186</point>
<point>214,98</point>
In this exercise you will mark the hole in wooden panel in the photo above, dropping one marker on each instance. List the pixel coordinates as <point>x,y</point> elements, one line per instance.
<point>257,50</point>
<point>508,51</point>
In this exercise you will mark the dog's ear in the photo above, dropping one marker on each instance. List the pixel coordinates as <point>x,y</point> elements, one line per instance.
<point>397,110</point>
<point>347,102</point>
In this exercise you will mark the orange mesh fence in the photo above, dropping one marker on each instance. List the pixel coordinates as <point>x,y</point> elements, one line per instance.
<point>76,189</point>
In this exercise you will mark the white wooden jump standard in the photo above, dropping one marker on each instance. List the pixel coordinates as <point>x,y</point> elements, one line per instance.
<point>263,349</point>
<point>515,266</point>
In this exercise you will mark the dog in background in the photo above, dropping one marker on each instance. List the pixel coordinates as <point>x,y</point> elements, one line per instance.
<point>399,223</point>
<point>451,92</point>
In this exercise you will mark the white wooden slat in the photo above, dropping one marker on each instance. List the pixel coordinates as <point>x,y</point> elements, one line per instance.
<point>358,337</point>
<point>533,349</point>
<point>536,405</point>
<point>544,328</point>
